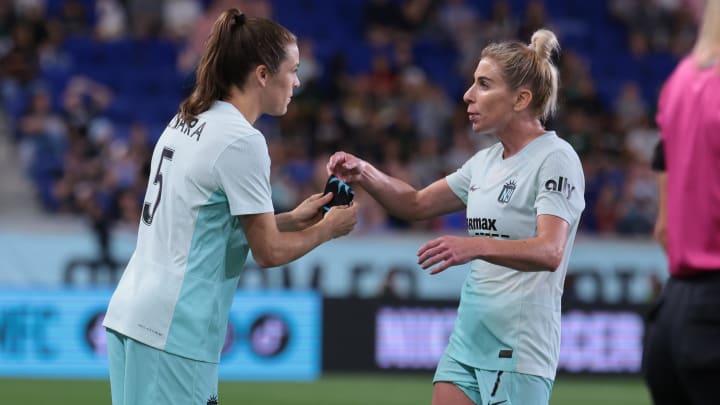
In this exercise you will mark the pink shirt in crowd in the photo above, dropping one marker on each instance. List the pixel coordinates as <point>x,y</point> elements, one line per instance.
<point>689,121</point>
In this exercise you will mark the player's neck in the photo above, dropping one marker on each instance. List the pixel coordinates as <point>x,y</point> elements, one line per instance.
<point>706,57</point>
<point>247,103</point>
<point>518,134</point>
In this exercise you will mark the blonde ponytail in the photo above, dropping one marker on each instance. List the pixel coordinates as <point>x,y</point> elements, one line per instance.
<point>544,43</point>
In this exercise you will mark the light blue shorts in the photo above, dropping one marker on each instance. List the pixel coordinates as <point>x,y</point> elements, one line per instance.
<point>490,387</point>
<point>143,375</point>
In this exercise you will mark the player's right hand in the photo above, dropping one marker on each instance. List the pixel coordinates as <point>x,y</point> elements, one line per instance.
<point>341,219</point>
<point>346,167</point>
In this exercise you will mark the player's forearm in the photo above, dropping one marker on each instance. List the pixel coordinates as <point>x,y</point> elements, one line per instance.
<point>285,247</point>
<point>396,196</point>
<point>660,230</point>
<point>662,195</point>
<point>286,222</point>
<point>532,254</point>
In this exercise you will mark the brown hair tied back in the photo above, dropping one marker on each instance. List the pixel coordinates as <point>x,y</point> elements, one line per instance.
<point>230,56</point>
<point>239,19</point>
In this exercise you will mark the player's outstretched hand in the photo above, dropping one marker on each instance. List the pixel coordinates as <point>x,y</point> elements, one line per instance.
<point>341,219</point>
<point>309,212</point>
<point>445,251</point>
<point>348,168</point>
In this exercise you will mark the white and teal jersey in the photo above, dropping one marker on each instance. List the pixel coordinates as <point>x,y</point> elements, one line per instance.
<point>176,291</point>
<point>508,319</point>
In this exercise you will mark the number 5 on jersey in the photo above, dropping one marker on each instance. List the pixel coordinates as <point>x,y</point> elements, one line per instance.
<point>148,212</point>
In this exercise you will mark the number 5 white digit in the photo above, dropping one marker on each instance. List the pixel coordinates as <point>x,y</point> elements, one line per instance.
<point>148,212</point>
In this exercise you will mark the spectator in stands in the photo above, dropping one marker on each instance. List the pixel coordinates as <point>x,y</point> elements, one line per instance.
<point>630,108</point>
<point>83,101</point>
<point>535,18</point>
<point>111,21</point>
<point>208,202</point>
<point>42,132</point>
<point>638,203</point>
<point>606,209</point>
<point>524,196</point>
<point>503,25</point>
<point>179,16</point>
<point>19,65</point>
<point>73,17</point>
<point>382,21</point>
<point>681,359</point>
<point>51,56</point>
<point>457,17</point>
<point>310,69</point>
<point>7,21</point>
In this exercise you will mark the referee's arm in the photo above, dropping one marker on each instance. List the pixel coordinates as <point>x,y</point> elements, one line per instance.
<point>658,165</point>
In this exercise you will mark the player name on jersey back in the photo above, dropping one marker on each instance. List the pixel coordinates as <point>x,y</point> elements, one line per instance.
<point>192,129</point>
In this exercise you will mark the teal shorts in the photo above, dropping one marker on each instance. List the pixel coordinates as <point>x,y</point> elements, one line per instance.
<point>489,387</point>
<point>142,375</point>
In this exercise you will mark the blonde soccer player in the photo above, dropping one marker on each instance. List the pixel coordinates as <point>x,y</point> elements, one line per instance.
<point>523,198</point>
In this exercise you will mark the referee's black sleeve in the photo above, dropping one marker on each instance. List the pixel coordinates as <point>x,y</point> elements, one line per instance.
<point>658,159</point>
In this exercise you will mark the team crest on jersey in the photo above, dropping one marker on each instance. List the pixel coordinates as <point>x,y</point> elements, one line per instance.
<point>507,191</point>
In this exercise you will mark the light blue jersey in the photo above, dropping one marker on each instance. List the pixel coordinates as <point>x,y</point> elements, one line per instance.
<point>176,292</point>
<point>508,319</point>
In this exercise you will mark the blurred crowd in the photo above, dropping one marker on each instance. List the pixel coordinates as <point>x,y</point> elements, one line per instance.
<point>383,80</point>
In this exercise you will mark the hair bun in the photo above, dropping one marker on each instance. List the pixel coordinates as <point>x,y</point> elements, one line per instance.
<point>544,43</point>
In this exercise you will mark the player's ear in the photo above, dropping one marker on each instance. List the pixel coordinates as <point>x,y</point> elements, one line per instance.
<point>261,74</point>
<point>523,97</point>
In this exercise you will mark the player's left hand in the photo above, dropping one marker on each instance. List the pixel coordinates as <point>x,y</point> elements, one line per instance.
<point>447,251</point>
<point>309,212</point>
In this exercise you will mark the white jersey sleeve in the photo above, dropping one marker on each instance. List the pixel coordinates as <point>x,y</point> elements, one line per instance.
<point>561,187</point>
<point>243,172</point>
<point>459,181</point>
